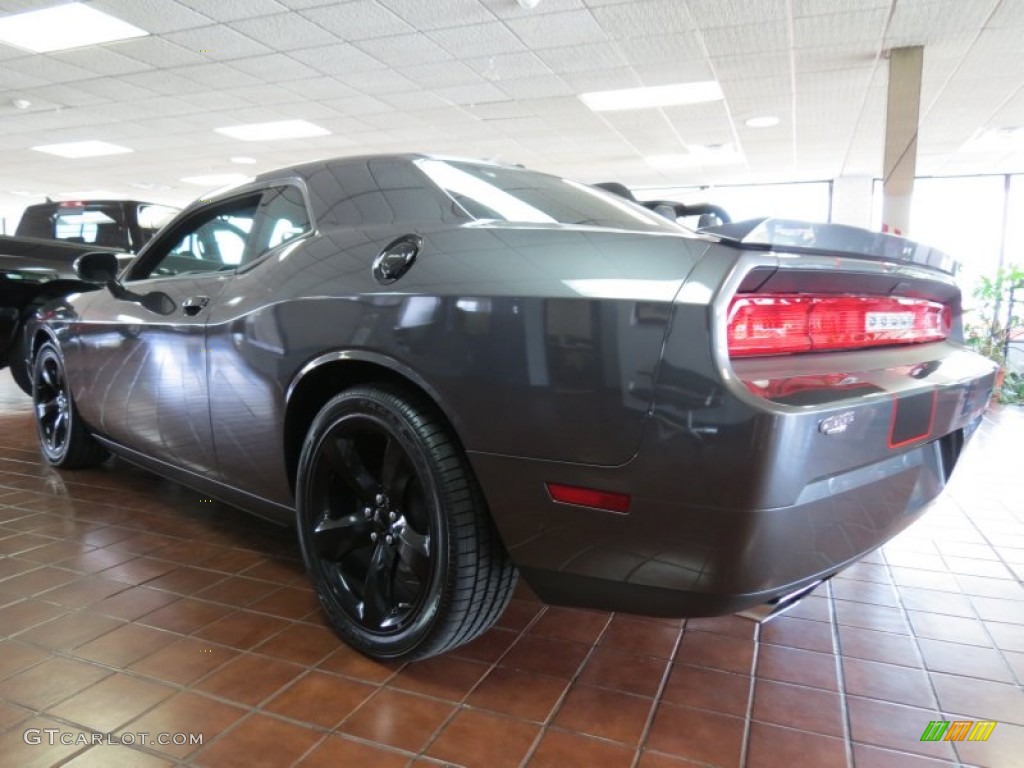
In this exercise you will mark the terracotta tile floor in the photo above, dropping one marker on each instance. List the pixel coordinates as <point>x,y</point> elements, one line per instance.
<point>129,606</point>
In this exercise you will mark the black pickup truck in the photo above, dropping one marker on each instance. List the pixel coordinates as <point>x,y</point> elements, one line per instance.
<point>37,263</point>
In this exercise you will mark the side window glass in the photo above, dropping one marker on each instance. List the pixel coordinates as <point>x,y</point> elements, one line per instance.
<point>281,217</point>
<point>216,240</point>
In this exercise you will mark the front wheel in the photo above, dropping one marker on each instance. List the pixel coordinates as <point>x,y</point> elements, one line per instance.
<point>63,438</point>
<point>394,531</point>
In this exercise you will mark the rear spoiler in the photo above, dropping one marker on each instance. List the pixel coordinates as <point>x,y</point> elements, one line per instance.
<point>807,237</point>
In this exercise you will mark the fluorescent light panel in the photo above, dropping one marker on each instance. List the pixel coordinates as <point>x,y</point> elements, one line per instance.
<point>64,26</point>
<point>284,129</point>
<point>653,96</point>
<point>76,149</point>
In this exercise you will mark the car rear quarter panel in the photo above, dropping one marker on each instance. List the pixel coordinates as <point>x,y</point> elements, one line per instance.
<point>537,341</point>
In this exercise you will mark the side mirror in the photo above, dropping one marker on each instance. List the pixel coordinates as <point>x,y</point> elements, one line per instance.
<point>97,267</point>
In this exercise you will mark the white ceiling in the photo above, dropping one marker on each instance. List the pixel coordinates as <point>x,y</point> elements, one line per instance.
<point>487,78</point>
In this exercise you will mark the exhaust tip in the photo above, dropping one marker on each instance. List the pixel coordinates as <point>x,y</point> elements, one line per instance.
<point>778,606</point>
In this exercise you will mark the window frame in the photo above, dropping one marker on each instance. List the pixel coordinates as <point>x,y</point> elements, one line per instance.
<point>158,247</point>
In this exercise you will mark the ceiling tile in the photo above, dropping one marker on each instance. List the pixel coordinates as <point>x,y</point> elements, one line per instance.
<point>602,79</point>
<point>359,20</point>
<point>341,57</point>
<point>403,50</point>
<point>643,19</point>
<point>413,100</point>
<point>377,81</point>
<point>675,72</point>
<point>319,89</point>
<point>285,30</point>
<point>440,74</point>
<point>745,66</point>
<point>509,66</point>
<point>476,40</point>
<point>471,94</point>
<point>662,48</point>
<point>101,61</point>
<point>218,43</point>
<point>47,69</point>
<point>161,82</point>
<point>154,16</point>
<point>580,58</point>
<point>730,13</point>
<point>840,29</point>
<point>216,76</point>
<point>511,9</point>
<point>439,13</point>
<point>554,30</point>
<point>750,38</point>
<point>229,10</point>
<point>158,52</point>
<point>535,87</point>
<point>273,68</point>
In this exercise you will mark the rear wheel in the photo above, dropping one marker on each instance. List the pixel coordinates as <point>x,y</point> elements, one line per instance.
<point>394,530</point>
<point>63,438</point>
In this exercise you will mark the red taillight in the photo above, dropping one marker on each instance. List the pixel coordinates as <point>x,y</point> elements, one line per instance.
<point>589,497</point>
<point>781,323</point>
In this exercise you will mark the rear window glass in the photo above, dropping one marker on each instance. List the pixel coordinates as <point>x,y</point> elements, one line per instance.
<point>501,193</point>
<point>93,224</point>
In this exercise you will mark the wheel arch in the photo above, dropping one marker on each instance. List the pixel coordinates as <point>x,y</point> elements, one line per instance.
<point>327,375</point>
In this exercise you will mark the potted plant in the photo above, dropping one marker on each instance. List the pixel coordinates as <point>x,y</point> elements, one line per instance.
<point>994,323</point>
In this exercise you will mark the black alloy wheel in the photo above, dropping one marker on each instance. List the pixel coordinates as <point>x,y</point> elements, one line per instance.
<point>64,440</point>
<point>394,531</point>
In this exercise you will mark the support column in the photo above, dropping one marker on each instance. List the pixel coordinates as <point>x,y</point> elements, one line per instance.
<point>901,120</point>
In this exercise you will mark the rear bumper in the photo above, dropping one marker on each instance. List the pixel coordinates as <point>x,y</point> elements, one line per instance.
<point>666,558</point>
<point>736,499</point>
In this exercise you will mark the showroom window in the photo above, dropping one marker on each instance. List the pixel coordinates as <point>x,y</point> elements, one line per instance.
<point>961,215</point>
<point>809,200</point>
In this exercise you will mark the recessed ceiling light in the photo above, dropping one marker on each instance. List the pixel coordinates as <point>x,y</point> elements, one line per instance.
<point>83,149</point>
<point>71,25</point>
<point>284,129</point>
<point>654,96</point>
<point>764,121</point>
<point>216,179</point>
<point>243,160</point>
<point>698,156</point>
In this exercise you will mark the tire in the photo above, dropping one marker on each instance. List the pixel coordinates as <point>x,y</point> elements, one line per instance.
<point>63,438</point>
<point>394,530</point>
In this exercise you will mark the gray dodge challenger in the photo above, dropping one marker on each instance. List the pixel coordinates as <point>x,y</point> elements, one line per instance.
<point>445,373</point>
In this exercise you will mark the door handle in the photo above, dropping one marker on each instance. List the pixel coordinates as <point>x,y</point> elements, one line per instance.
<point>193,305</point>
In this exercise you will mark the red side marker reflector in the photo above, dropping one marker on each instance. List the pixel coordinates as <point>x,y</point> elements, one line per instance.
<point>589,497</point>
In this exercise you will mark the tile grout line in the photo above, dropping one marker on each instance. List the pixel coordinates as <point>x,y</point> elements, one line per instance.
<point>565,693</point>
<point>837,652</point>
<point>461,704</point>
<point>656,703</point>
<point>749,714</point>
<point>917,647</point>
